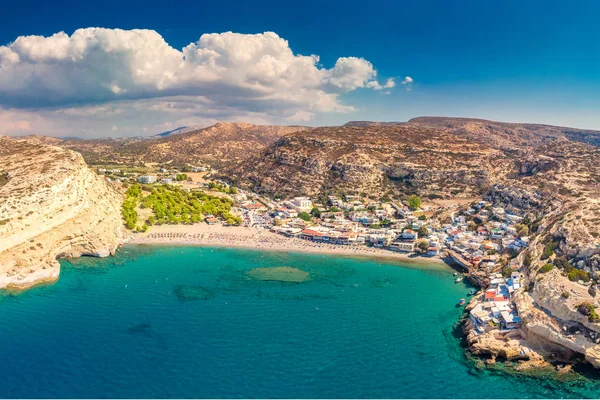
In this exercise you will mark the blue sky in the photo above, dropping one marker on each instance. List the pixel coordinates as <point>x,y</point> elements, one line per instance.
<point>527,61</point>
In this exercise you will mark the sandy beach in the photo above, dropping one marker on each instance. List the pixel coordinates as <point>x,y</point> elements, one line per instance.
<point>261,239</point>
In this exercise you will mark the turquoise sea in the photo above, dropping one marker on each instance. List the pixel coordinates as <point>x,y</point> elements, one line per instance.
<point>189,322</point>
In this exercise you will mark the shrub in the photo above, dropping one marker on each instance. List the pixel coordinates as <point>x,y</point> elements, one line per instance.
<point>562,263</point>
<point>577,274</point>
<point>522,230</point>
<point>589,311</point>
<point>548,251</point>
<point>565,295</point>
<point>546,268</point>
<point>527,259</point>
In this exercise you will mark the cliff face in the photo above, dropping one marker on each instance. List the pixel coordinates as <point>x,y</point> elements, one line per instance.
<point>51,205</point>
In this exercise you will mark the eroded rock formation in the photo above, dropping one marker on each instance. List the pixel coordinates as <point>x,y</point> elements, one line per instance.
<point>51,205</point>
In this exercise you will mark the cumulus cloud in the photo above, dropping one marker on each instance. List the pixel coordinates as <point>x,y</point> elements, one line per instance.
<point>226,74</point>
<point>408,81</point>
<point>390,83</point>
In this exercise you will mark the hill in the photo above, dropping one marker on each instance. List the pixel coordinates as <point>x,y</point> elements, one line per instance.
<point>372,160</point>
<point>220,144</point>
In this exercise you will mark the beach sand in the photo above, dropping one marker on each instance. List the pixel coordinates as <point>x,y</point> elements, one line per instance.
<point>261,239</point>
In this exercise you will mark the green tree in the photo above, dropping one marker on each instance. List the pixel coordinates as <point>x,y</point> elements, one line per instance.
<point>304,215</point>
<point>422,245</point>
<point>423,231</point>
<point>414,202</point>
<point>315,212</point>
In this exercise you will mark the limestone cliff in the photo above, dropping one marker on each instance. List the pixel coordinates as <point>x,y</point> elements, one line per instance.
<point>51,205</point>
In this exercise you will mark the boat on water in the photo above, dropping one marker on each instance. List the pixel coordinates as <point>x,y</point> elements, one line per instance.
<point>461,302</point>
<point>456,273</point>
<point>458,279</point>
<point>472,292</point>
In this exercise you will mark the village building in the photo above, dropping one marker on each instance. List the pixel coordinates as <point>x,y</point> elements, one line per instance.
<point>301,203</point>
<point>147,179</point>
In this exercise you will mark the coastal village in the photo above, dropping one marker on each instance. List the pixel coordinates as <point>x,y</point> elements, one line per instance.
<point>472,239</point>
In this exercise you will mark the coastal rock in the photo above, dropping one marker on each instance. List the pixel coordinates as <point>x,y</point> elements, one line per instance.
<point>592,355</point>
<point>547,295</point>
<point>506,345</point>
<point>51,205</point>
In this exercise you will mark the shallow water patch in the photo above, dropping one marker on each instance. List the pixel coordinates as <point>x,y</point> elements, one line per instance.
<point>279,274</point>
<point>190,293</point>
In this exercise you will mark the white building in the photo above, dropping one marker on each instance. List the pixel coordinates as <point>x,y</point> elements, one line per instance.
<point>406,246</point>
<point>147,179</point>
<point>166,181</point>
<point>302,203</point>
<point>335,201</point>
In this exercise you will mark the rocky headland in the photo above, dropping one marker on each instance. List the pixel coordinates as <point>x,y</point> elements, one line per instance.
<point>51,206</point>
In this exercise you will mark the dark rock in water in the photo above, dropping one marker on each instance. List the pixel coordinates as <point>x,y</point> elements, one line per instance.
<point>188,292</point>
<point>279,274</point>
<point>139,328</point>
<point>382,282</point>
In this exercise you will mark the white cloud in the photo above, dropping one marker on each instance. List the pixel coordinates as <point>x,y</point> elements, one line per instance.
<point>408,81</point>
<point>390,83</point>
<point>224,75</point>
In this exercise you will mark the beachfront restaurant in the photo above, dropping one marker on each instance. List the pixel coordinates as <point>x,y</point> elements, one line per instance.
<point>332,237</point>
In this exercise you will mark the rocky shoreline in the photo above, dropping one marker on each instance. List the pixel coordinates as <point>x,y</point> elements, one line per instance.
<point>539,345</point>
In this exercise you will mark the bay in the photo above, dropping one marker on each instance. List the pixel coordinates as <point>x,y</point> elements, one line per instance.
<point>191,322</point>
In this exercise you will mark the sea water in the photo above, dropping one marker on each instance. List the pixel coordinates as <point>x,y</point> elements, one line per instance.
<point>191,322</point>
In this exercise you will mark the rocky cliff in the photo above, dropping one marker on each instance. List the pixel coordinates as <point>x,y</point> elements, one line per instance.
<point>51,206</point>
